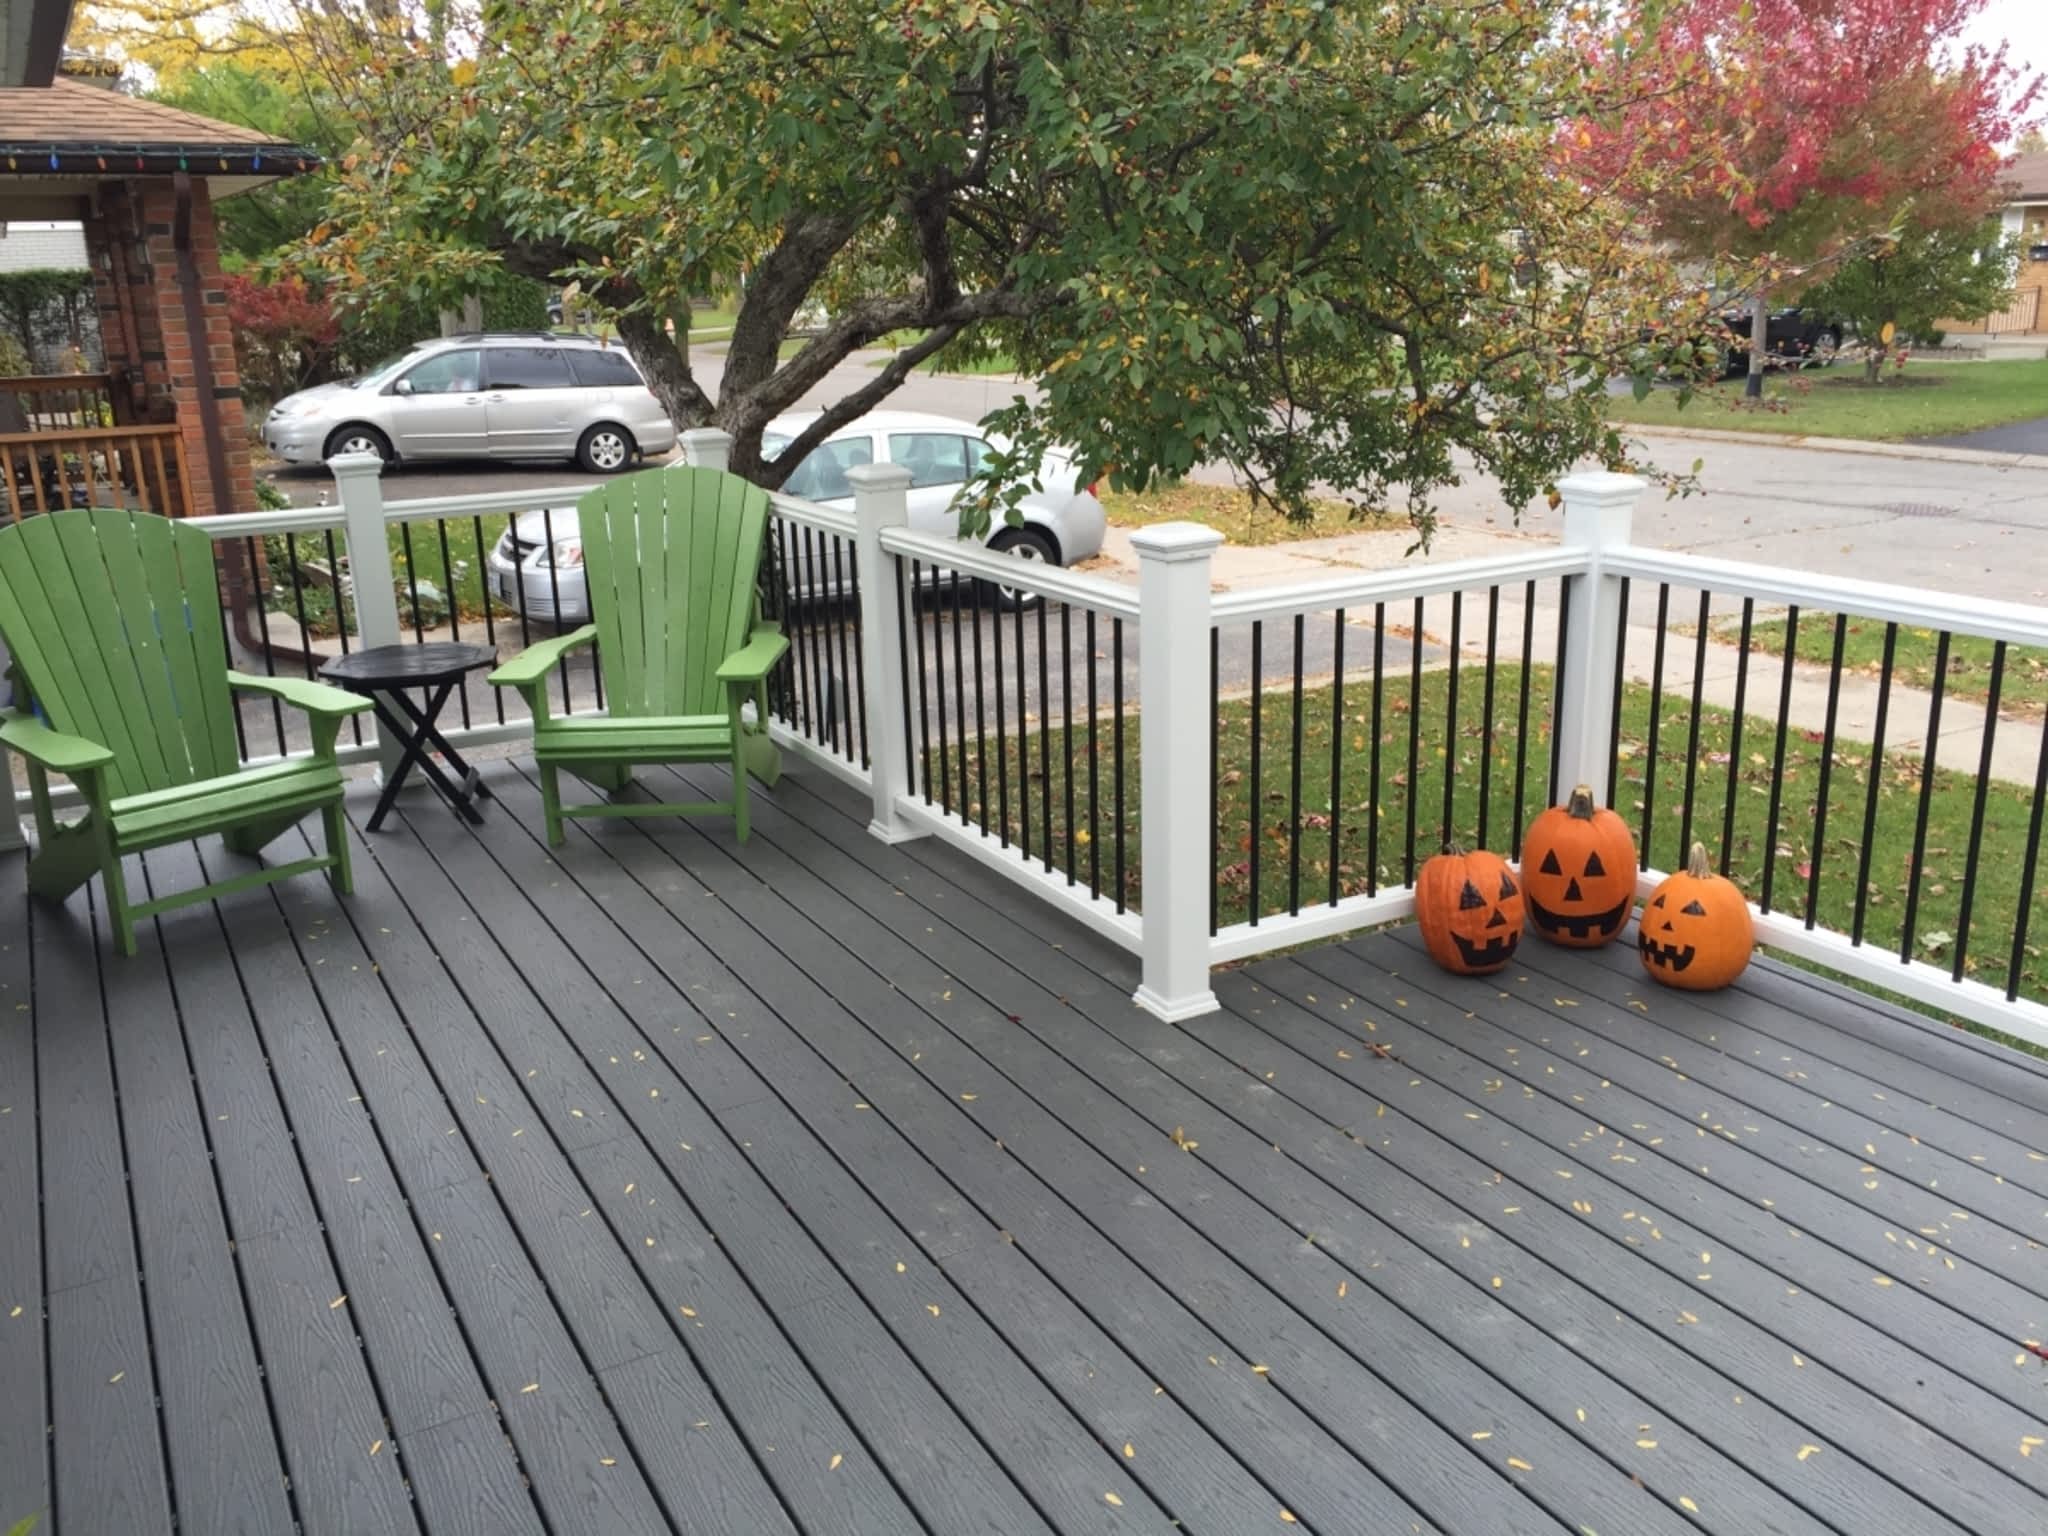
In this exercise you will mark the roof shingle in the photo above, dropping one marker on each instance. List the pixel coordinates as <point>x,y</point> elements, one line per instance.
<point>68,113</point>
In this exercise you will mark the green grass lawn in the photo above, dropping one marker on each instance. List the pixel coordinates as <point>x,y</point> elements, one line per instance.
<point>1927,400</point>
<point>1234,514</point>
<point>1261,828</point>
<point>2022,691</point>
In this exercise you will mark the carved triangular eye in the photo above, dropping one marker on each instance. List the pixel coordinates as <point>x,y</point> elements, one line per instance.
<point>1507,886</point>
<point>1657,900</point>
<point>1470,898</point>
<point>1594,866</point>
<point>1693,909</point>
<point>1550,866</point>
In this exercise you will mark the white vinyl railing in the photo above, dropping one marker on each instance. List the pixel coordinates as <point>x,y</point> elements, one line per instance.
<point>856,697</point>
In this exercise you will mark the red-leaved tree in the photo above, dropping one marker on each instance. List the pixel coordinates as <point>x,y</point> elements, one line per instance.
<point>284,334</point>
<point>1777,135</point>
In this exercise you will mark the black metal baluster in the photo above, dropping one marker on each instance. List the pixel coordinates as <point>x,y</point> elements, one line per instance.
<point>227,651</point>
<point>1656,720</point>
<point>1255,811</point>
<point>1620,678</point>
<point>547,521</point>
<point>960,697</point>
<point>1044,737</point>
<point>841,594</point>
<point>341,623</point>
<point>924,703</point>
<point>263,623</point>
<point>1414,736</point>
<point>816,615</point>
<point>291,546</point>
<point>1564,621</point>
<point>860,671</point>
<point>938,616</point>
<point>455,614</point>
<point>1002,737</point>
<point>1215,773</point>
<point>1827,768</point>
<point>976,591</point>
<point>1735,735</point>
<point>1450,818</point>
<point>1522,715</point>
<point>1692,735</point>
<point>1778,755</point>
<point>1294,788</point>
<point>1884,701</point>
<point>1023,742</point>
<point>2019,937</point>
<point>1116,704</point>
<point>913,770</point>
<point>800,605</point>
<point>1984,761</point>
<point>483,578</point>
<point>519,585</point>
<point>412,582</point>
<point>1373,801</point>
<point>1486,713</point>
<point>1937,685</point>
<point>1067,721</point>
<point>1094,767</point>
<point>1336,750</point>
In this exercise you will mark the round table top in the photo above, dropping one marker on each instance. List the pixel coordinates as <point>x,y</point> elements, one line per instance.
<point>400,666</point>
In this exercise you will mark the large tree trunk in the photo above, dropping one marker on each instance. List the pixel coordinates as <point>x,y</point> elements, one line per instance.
<point>1759,346</point>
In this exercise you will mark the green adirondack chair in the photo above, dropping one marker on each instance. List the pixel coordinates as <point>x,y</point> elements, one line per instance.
<point>114,621</point>
<point>669,558</point>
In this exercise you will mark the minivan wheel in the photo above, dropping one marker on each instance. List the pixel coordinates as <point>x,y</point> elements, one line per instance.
<point>357,438</point>
<point>1026,543</point>
<point>605,450</point>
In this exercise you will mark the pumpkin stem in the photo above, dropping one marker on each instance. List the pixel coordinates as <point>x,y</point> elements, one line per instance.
<point>1580,805</point>
<point>1696,863</point>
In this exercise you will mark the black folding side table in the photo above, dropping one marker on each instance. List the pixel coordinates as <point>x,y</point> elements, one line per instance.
<point>381,674</point>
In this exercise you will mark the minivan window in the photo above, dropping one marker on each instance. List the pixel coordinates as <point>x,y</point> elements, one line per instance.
<point>446,373</point>
<point>528,368</point>
<point>604,368</point>
<point>933,458</point>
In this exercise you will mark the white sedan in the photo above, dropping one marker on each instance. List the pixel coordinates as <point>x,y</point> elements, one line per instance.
<point>1062,524</point>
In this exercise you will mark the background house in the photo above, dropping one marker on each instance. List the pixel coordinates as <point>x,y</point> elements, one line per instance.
<point>2021,329</point>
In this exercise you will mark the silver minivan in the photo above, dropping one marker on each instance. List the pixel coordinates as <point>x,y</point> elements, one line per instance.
<point>501,395</point>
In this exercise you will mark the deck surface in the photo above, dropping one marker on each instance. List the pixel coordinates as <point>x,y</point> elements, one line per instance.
<point>821,1186</point>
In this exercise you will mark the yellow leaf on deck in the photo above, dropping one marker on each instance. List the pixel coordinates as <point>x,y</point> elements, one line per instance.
<point>833,1464</point>
<point>1110,1498</point>
<point>1687,1505</point>
<point>1520,1465</point>
<point>1807,1450</point>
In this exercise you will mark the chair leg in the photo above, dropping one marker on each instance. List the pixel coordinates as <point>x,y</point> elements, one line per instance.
<point>551,803</point>
<point>65,859</point>
<point>117,903</point>
<point>739,787</point>
<point>609,777</point>
<point>341,875</point>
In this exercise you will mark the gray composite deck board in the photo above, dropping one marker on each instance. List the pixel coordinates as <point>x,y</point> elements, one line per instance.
<point>662,1183</point>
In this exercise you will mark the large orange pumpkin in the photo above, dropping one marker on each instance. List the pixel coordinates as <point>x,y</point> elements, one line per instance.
<point>1696,930</point>
<point>1579,872</point>
<point>1469,906</point>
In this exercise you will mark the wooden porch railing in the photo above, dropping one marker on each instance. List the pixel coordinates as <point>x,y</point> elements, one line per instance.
<point>59,402</point>
<point>141,467</point>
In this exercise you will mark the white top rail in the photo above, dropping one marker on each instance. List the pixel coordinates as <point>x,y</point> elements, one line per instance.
<point>1396,585</point>
<point>239,525</point>
<point>1110,597</point>
<point>2017,623</point>
<point>837,520</point>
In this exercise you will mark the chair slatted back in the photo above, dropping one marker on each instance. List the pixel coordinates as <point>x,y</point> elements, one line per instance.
<point>670,556</point>
<point>114,621</point>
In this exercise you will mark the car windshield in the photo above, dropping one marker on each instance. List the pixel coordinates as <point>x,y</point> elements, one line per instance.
<point>390,365</point>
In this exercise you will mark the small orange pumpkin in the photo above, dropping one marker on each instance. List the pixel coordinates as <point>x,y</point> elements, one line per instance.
<point>1469,906</point>
<point>1696,930</point>
<point>1579,872</point>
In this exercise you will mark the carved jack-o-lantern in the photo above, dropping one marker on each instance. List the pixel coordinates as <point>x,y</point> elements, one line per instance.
<point>1579,872</point>
<point>1469,906</point>
<point>1696,931</point>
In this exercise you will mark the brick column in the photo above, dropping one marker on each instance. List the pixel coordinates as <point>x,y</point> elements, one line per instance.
<point>182,349</point>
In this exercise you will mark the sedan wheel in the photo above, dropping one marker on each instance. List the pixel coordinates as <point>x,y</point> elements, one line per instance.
<point>604,450</point>
<point>1827,346</point>
<point>1022,544</point>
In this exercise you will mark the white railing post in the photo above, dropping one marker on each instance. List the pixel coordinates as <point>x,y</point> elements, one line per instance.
<point>370,579</point>
<point>881,501</point>
<point>706,447</point>
<point>1598,510</point>
<point>1173,766</point>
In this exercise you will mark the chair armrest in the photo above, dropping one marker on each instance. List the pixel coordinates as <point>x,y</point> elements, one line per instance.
<point>50,749</point>
<point>536,661</point>
<point>302,693</point>
<point>756,659</point>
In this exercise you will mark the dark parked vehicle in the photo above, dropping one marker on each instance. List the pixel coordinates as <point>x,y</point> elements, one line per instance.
<point>1802,337</point>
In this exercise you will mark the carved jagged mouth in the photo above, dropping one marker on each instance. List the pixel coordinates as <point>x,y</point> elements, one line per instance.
<point>1606,924</point>
<point>1497,950</point>
<point>1676,956</point>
